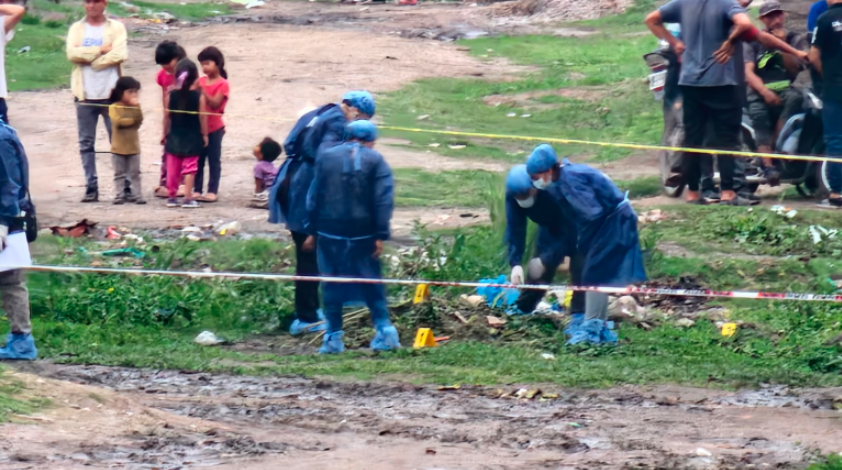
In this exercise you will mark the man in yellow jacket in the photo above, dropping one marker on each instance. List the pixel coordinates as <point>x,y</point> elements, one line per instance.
<point>96,46</point>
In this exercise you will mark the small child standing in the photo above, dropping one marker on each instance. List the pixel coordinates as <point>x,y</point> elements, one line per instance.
<point>126,118</point>
<point>215,88</point>
<point>187,132</point>
<point>167,55</point>
<point>265,172</point>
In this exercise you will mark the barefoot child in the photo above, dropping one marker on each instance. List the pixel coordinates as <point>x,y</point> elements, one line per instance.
<point>126,118</point>
<point>187,132</point>
<point>167,55</point>
<point>214,85</point>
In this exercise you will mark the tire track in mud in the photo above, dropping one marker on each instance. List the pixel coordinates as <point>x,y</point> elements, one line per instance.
<point>628,427</point>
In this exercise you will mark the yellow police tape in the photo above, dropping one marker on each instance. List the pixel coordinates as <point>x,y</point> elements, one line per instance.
<point>735,153</point>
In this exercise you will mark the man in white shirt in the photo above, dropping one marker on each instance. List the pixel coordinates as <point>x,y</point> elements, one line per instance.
<point>96,46</point>
<point>10,15</point>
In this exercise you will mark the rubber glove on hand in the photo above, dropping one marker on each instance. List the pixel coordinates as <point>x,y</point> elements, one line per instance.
<point>517,275</point>
<point>4,237</point>
<point>535,268</point>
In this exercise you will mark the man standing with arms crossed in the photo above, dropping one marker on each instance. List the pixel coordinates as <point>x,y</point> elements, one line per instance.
<point>712,81</point>
<point>10,15</point>
<point>96,46</point>
<point>826,57</point>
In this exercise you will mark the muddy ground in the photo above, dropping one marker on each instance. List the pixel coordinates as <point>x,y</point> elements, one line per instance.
<point>104,417</point>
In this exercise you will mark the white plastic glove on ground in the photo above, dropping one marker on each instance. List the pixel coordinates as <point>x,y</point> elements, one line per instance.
<point>517,275</point>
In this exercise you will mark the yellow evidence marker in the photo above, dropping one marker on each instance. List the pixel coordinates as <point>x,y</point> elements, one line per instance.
<point>424,339</point>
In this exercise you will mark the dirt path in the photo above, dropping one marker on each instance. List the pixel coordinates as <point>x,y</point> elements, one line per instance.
<point>138,419</point>
<point>276,71</point>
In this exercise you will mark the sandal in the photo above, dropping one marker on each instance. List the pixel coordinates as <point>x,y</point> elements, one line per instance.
<point>210,197</point>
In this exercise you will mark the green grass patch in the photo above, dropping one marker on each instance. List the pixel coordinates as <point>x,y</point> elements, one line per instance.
<point>458,188</point>
<point>833,462</point>
<point>11,402</point>
<point>589,88</point>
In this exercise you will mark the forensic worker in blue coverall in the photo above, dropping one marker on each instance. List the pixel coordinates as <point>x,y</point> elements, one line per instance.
<point>606,226</point>
<point>349,207</point>
<point>314,132</point>
<point>556,239</point>
<point>14,297</point>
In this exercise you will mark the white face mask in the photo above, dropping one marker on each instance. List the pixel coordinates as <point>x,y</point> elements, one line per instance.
<point>541,184</point>
<point>526,203</point>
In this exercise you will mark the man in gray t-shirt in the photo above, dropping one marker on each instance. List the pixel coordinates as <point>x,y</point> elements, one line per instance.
<point>712,81</point>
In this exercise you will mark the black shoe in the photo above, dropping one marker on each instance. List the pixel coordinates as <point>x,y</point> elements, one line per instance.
<point>91,195</point>
<point>711,196</point>
<point>119,201</point>
<point>750,196</point>
<point>740,202</point>
<point>773,178</point>
<point>831,203</point>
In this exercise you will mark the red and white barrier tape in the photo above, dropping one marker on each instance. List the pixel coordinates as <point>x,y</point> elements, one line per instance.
<point>631,290</point>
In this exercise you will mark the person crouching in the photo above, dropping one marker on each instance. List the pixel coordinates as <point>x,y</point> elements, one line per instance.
<point>349,210</point>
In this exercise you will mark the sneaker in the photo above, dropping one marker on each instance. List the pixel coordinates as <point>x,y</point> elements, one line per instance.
<point>140,201</point>
<point>119,200</point>
<point>740,201</point>
<point>190,204</point>
<point>172,202</point>
<point>91,195</point>
<point>834,203</point>
<point>711,196</point>
<point>749,196</point>
<point>773,177</point>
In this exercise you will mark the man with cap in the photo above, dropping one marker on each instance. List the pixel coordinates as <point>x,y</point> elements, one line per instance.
<point>769,74</point>
<point>314,132</point>
<point>556,240</point>
<point>606,227</point>
<point>349,211</point>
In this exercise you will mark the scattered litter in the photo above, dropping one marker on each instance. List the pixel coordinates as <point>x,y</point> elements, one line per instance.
<point>525,115</point>
<point>495,322</point>
<point>164,16</point>
<point>112,234</point>
<point>430,451</point>
<point>548,356</point>
<point>574,425</point>
<point>24,50</point>
<point>472,300</point>
<point>820,233</point>
<point>702,452</point>
<point>460,317</point>
<point>76,230</point>
<point>254,3</point>
<point>191,230</point>
<point>435,145</point>
<point>449,388</point>
<point>784,211</point>
<point>684,323</point>
<point>124,252</point>
<point>207,338</point>
<point>655,215</point>
<point>423,117</point>
<point>230,228</point>
<point>511,115</point>
<point>626,306</point>
<point>457,146</point>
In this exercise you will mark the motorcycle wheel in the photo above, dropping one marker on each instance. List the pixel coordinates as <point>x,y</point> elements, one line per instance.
<point>816,185</point>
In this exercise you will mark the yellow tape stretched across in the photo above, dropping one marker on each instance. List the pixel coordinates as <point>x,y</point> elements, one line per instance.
<point>611,144</point>
<point>196,113</point>
<point>736,153</point>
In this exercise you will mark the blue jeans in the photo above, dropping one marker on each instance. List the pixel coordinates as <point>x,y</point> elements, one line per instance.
<point>832,122</point>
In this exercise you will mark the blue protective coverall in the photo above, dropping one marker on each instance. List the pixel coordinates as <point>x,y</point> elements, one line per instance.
<point>14,199</point>
<point>606,226</point>
<point>556,239</point>
<point>349,206</point>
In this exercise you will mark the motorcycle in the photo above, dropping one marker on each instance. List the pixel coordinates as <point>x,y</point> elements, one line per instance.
<point>802,134</point>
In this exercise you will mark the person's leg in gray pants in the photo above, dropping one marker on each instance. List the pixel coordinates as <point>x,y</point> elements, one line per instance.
<point>87,117</point>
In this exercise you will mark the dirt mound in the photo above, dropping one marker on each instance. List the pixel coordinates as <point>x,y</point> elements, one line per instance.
<point>563,10</point>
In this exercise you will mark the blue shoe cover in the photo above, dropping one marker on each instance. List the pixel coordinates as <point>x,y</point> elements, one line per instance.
<point>19,347</point>
<point>589,332</point>
<point>576,321</point>
<point>333,343</point>
<point>386,339</point>
<point>609,336</point>
<point>299,327</point>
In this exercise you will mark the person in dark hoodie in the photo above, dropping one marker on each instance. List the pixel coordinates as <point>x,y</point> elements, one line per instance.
<point>316,131</point>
